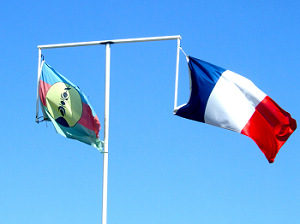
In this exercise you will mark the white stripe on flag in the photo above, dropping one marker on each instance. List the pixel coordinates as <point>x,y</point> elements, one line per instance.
<point>232,102</point>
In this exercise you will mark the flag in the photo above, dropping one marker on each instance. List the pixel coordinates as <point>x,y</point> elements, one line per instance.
<point>67,108</point>
<point>228,100</point>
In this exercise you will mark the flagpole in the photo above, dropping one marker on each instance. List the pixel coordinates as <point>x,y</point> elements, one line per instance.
<point>176,76</point>
<point>106,125</point>
<point>116,41</point>
<point>107,44</point>
<point>37,94</point>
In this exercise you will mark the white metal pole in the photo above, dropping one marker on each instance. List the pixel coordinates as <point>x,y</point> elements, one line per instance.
<point>107,92</point>
<point>117,41</point>
<point>38,78</point>
<point>106,125</point>
<point>177,71</point>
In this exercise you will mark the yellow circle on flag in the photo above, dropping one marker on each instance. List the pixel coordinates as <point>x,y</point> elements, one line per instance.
<point>64,104</point>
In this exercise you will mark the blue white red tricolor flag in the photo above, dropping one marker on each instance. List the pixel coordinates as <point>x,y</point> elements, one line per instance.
<point>225,99</point>
<point>65,105</point>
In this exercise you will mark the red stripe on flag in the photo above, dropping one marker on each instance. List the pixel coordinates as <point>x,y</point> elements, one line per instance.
<point>43,89</point>
<point>88,120</point>
<point>270,127</point>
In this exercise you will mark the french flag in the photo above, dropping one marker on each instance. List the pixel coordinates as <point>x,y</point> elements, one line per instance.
<point>225,99</point>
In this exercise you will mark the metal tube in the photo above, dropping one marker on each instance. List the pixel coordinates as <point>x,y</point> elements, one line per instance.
<point>177,71</point>
<point>37,94</point>
<point>117,41</point>
<point>106,125</point>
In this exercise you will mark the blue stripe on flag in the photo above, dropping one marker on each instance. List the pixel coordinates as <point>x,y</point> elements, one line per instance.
<point>50,76</point>
<point>204,77</point>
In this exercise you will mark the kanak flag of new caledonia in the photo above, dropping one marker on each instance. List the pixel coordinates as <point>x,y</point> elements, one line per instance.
<point>67,107</point>
<point>225,99</point>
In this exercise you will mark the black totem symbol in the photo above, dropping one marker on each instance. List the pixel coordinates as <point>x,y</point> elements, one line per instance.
<point>64,97</point>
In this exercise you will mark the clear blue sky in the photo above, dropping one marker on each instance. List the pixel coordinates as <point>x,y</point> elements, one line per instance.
<point>162,168</point>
